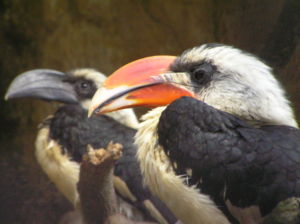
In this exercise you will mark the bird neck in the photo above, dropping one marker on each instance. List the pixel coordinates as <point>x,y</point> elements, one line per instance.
<point>254,112</point>
<point>187,203</point>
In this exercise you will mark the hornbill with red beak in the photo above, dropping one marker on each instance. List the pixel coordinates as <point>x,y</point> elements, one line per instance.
<point>64,138</point>
<point>231,140</point>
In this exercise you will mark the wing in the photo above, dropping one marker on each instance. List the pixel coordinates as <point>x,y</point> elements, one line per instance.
<point>227,158</point>
<point>75,132</point>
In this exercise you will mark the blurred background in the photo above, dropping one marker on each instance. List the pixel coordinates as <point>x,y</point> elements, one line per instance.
<point>65,34</point>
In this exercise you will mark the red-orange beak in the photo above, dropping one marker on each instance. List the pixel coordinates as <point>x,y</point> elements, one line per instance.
<point>137,84</point>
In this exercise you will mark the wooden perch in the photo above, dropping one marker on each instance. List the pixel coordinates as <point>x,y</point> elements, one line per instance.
<point>96,190</point>
<point>97,196</point>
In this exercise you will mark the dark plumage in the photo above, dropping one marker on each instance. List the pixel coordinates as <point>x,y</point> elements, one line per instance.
<point>229,159</point>
<point>66,136</point>
<point>71,129</point>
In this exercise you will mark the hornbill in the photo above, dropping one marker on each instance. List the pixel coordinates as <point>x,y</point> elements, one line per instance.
<point>65,137</point>
<point>229,139</point>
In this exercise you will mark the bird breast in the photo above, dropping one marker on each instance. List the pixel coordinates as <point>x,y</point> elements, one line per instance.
<point>187,203</point>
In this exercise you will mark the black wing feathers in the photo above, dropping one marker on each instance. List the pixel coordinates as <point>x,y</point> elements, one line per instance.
<point>230,159</point>
<point>64,128</point>
<point>74,131</point>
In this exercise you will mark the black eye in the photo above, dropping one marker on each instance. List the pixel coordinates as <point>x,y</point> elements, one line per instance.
<point>84,85</point>
<point>203,73</point>
<point>198,75</point>
<point>85,88</point>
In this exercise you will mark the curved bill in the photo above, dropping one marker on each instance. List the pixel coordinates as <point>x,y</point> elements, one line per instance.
<point>138,83</point>
<point>42,84</point>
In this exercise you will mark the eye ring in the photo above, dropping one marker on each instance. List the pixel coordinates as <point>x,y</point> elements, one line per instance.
<point>84,85</point>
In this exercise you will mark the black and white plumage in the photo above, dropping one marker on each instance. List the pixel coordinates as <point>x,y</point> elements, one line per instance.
<point>233,162</point>
<point>210,144</point>
<point>65,137</point>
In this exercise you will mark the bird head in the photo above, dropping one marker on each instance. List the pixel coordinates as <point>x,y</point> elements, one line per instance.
<point>224,77</point>
<point>74,87</point>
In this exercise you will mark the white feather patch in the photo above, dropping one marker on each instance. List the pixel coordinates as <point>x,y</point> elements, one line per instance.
<point>249,90</point>
<point>63,172</point>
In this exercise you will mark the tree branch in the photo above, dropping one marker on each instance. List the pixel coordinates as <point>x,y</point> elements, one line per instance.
<point>97,195</point>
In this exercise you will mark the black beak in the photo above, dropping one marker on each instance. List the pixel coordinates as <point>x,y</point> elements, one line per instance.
<point>42,84</point>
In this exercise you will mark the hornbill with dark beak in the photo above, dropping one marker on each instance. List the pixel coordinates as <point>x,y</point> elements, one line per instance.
<point>64,138</point>
<point>231,139</point>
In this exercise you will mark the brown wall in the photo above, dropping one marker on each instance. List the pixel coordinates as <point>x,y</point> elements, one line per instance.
<point>106,34</point>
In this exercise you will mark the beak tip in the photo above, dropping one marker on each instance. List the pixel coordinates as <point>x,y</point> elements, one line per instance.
<point>7,96</point>
<point>90,112</point>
